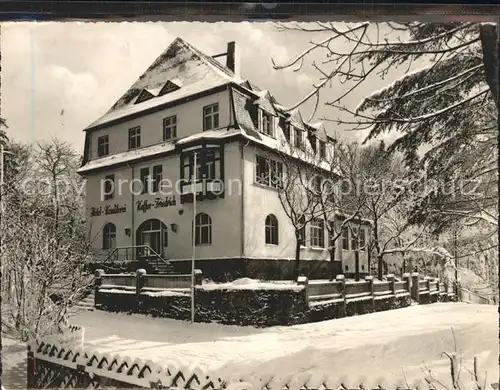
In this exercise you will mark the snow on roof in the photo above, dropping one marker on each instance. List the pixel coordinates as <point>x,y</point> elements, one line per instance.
<point>128,156</point>
<point>210,134</point>
<point>264,102</point>
<point>181,63</point>
<point>196,87</point>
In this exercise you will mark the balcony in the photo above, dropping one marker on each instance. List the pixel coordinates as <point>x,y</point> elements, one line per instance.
<point>205,163</point>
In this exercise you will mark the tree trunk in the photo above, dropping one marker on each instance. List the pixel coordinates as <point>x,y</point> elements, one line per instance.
<point>488,35</point>
<point>296,269</point>
<point>380,264</point>
<point>380,271</point>
<point>332,262</point>
<point>356,264</point>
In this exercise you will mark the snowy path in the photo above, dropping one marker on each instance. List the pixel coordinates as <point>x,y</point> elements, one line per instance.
<point>371,345</point>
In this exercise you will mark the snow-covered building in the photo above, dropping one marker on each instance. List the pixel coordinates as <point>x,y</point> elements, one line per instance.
<point>188,103</point>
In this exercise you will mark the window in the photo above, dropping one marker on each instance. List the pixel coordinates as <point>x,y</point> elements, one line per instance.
<point>322,149</point>
<point>267,124</point>
<point>347,267</point>
<point>134,137</point>
<point>354,239</point>
<point>297,135</point>
<point>170,128</point>
<point>286,130</point>
<point>317,184</point>
<point>317,233</point>
<point>262,170</point>
<point>276,174</point>
<point>268,172</point>
<point>271,230</point>
<point>345,238</point>
<point>212,167</point>
<point>362,239</point>
<point>157,177</point>
<point>203,229</point>
<point>302,231</point>
<point>109,187</point>
<point>211,117</point>
<point>208,165</point>
<point>144,180</point>
<point>103,146</point>
<point>109,236</point>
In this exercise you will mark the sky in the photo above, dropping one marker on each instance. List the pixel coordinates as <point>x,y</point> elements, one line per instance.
<point>58,77</point>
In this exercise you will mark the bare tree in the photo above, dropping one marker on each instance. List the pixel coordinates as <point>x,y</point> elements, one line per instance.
<point>443,110</point>
<point>45,248</point>
<point>340,200</point>
<point>300,204</point>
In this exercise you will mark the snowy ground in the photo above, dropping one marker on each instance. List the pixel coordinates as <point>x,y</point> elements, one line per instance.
<point>373,345</point>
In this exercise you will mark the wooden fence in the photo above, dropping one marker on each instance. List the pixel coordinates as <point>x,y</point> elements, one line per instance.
<point>321,292</point>
<point>142,282</point>
<point>471,297</point>
<point>62,365</point>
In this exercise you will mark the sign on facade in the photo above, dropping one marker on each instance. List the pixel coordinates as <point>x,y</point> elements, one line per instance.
<point>145,205</point>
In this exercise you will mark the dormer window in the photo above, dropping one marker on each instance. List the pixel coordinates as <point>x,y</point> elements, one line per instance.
<point>103,146</point>
<point>168,87</point>
<point>297,136</point>
<point>267,124</point>
<point>322,149</point>
<point>143,96</point>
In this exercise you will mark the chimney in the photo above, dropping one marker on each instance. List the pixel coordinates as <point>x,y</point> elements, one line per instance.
<point>233,58</point>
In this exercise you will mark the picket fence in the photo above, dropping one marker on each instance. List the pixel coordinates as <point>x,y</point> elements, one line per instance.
<point>62,362</point>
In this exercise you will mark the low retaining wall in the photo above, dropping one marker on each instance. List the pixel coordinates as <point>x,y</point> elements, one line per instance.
<point>261,304</point>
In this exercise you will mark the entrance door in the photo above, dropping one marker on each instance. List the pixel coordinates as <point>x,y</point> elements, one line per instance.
<point>149,237</point>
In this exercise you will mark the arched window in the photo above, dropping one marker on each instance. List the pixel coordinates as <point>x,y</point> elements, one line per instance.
<point>203,229</point>
<point>109,236</point>
<point>272,230</point>
<point>152,236</point>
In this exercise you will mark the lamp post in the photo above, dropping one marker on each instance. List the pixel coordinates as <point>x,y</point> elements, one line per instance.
<point>194,235</point>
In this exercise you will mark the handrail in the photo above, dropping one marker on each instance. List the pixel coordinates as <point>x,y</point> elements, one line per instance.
<point>154,253</point>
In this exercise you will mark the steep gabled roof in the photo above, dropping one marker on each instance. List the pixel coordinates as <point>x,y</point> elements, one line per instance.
<point>182,64</point>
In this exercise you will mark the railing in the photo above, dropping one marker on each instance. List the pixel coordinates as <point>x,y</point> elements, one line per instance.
<point>137,251</point>
<point>471,297</point>
<point>425,290</point>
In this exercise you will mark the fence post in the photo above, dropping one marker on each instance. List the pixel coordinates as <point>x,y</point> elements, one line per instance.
<point>198,277</point>
<point>369,278</point>
<point>30,368</point>
<point>392,283</point>
<point>415,287</point>
<point>97,283</point>
<point>341,279</point>
<point>406,277</point>
<point>140,274</point>
<point>302,281</point>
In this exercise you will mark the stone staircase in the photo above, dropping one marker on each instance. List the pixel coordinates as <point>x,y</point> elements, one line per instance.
<point>161,267</point>
<point>86,304</point>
